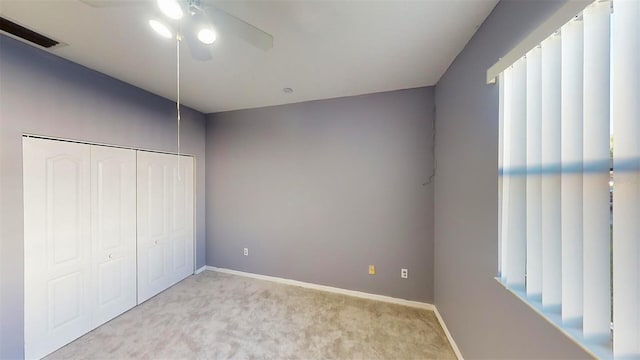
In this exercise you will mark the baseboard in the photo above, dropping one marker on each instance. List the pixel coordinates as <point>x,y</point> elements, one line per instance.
<point>199,270</point>
<point>456,350</point>
<point>359,294</point>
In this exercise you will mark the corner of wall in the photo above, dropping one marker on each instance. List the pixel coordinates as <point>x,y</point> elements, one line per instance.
<point>485,321</point>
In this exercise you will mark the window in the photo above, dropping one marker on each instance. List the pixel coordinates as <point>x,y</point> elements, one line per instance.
<point>569,175</point>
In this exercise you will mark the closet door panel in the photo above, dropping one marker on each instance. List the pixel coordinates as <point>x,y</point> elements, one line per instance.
<point>182,219</point>
<point>165,221</point>
<point>153,237</point>
<point>58,289</point>
<point>113,212</point>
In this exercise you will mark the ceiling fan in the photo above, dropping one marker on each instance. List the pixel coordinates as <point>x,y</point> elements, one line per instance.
<point>198,22</point>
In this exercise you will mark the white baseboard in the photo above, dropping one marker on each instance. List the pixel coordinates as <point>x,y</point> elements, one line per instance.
<point>359,294</point>
<point>455,348</point>
<point>199,270</point>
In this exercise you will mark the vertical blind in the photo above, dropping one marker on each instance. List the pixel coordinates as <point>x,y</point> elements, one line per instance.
<point>569,199</point>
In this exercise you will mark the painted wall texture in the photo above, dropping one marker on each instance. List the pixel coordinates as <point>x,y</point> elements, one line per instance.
<point>319,190</point>
<point>485,320</point>
<point>47,95</point>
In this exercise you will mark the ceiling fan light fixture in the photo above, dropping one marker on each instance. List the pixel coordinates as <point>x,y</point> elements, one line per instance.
<point>171,8</point>
<point>207,36</point>
<point>161,29</point>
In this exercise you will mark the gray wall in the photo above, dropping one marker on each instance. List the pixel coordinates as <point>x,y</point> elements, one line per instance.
<point>319,190</point>
<point>485,320</point>
<point>43,94</point>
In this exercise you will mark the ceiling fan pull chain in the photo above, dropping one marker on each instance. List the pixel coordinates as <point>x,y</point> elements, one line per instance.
<point>178,95</point>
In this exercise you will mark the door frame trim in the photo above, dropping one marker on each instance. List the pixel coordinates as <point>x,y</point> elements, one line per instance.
<point>54,138</point>
<point>195,161</point>
<point>45,137</point>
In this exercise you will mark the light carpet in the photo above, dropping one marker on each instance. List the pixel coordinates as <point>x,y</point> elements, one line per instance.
<point>220,316</point>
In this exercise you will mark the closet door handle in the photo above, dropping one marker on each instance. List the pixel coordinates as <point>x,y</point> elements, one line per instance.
<point>110,256</point>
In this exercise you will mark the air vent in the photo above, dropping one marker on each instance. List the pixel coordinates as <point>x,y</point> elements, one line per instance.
<point>26,34</point>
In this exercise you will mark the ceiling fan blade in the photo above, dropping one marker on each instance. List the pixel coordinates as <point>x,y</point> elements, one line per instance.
<point>114,3</point>
<point>231,25</point>
<point>199,51</point>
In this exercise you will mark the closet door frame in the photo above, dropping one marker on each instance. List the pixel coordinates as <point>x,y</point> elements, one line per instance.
<point>195,161</point>
<point>26,197</point>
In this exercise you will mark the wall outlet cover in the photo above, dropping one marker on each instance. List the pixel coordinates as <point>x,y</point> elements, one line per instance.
<point>372,270</point>
<point>404,273</point>
<point>246,251</point>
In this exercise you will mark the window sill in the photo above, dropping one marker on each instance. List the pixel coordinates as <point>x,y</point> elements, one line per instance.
<point>597,347</point>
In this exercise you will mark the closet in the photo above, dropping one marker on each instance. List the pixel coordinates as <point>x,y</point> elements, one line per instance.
<point>105,229</point>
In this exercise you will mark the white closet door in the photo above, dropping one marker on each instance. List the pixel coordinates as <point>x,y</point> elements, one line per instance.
<point>113,223</point>
<point>57,264</point>
<point>165,221</point>
<point>181,225</point>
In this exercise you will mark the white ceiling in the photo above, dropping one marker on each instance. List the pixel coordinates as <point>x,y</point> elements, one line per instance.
<point>322,49</point>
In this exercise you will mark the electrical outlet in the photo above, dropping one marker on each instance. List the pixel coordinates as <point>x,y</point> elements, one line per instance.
<point>404,273</point>
<point>372,270</point>
<point>246,251</point>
